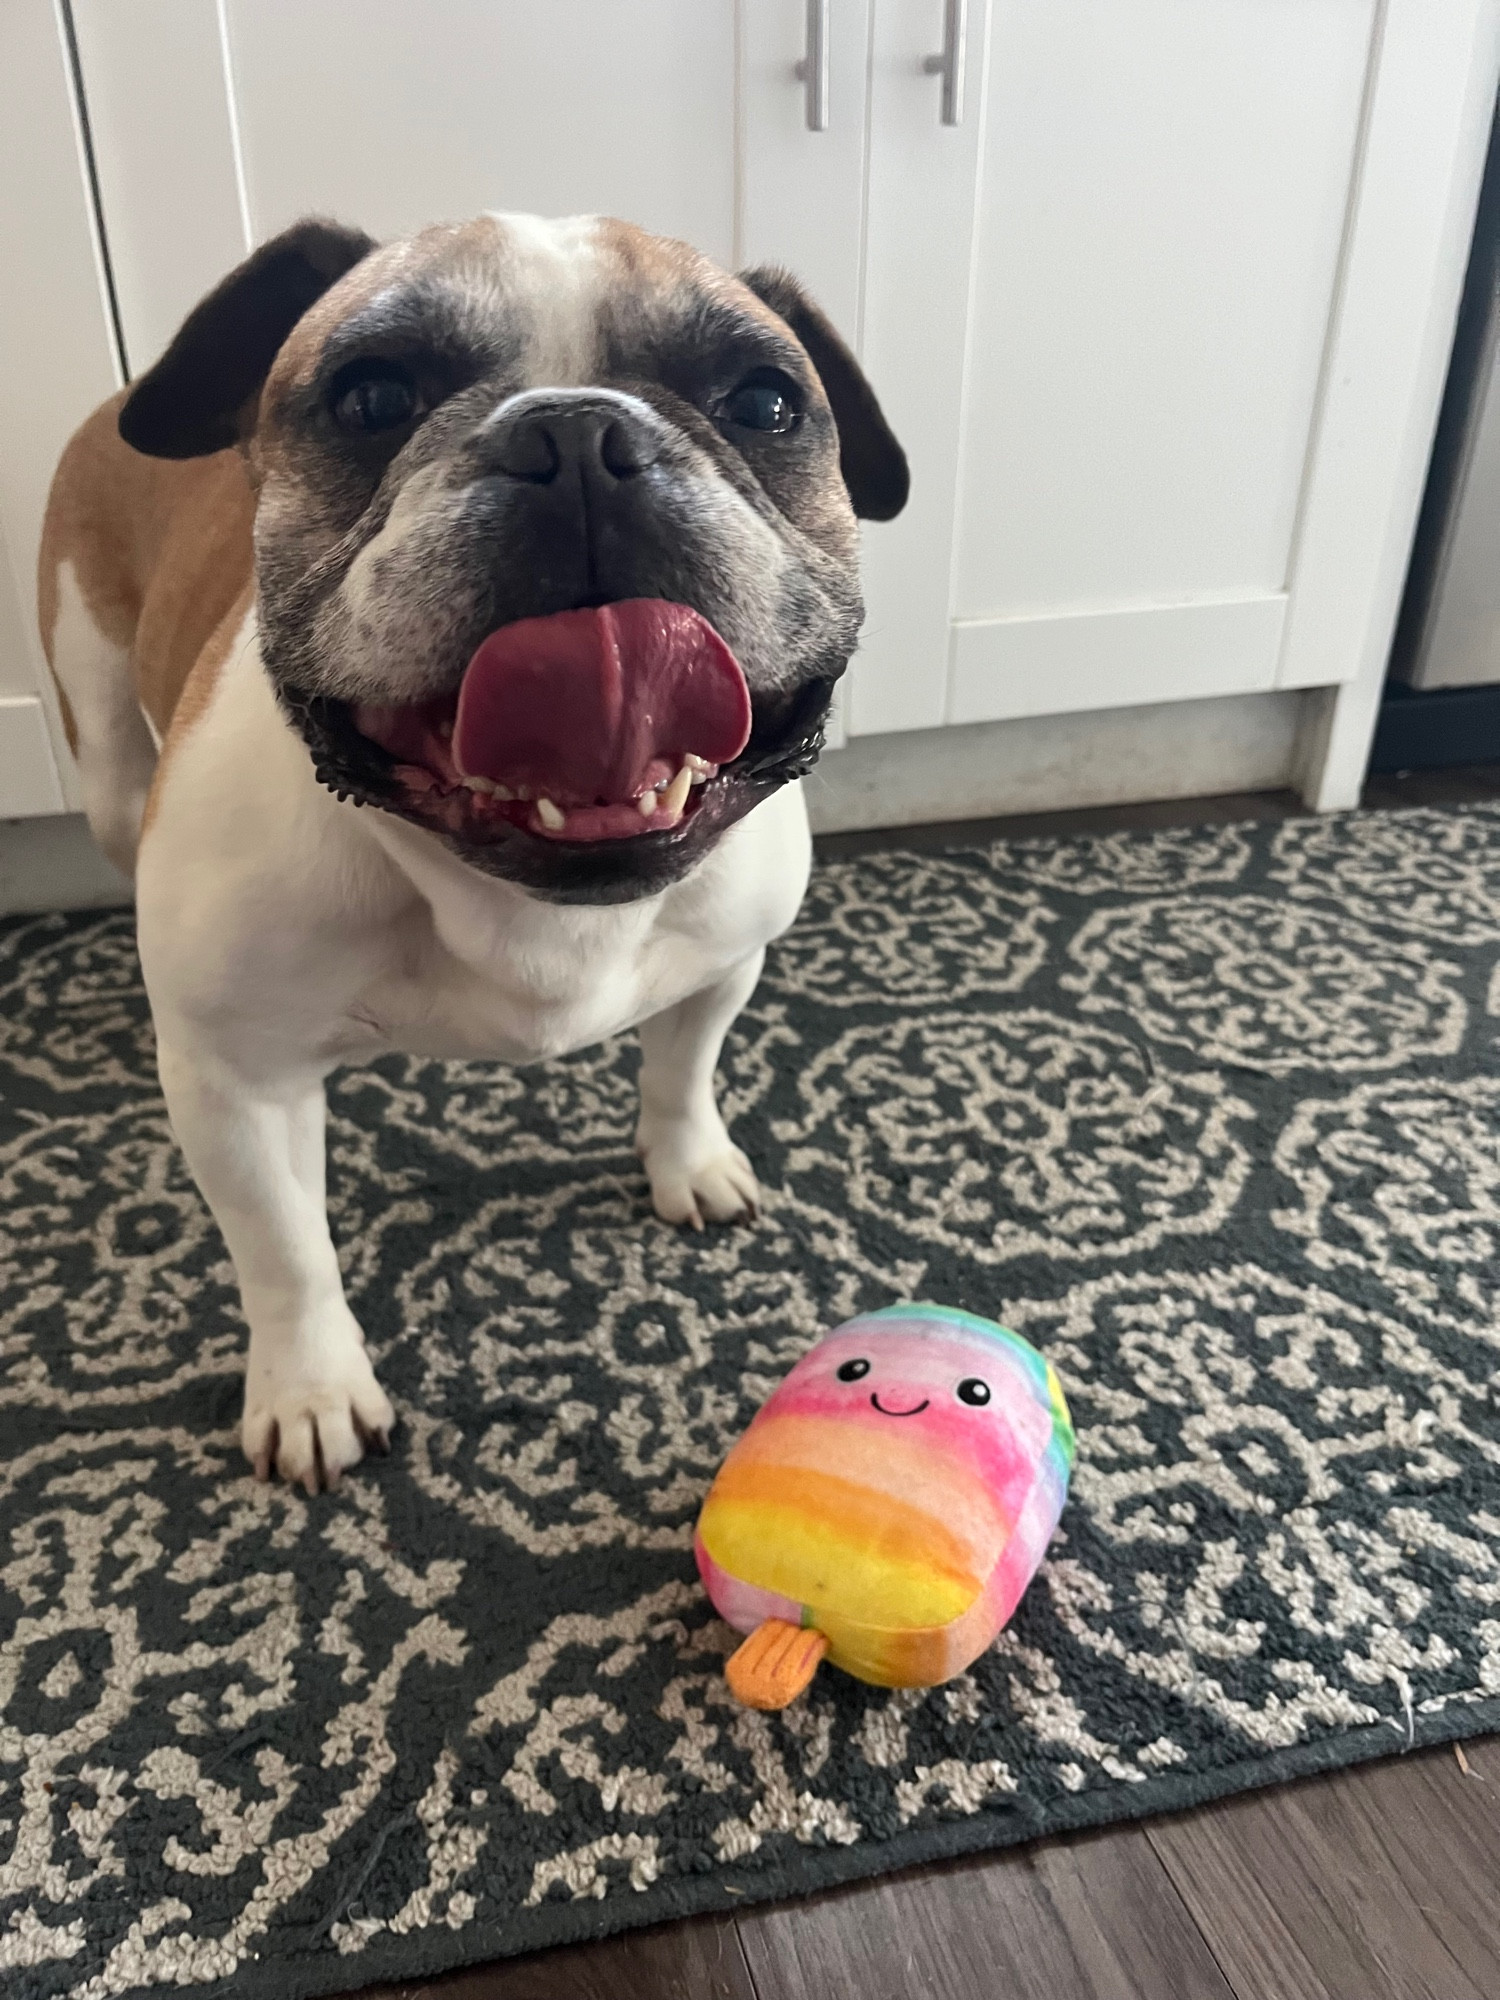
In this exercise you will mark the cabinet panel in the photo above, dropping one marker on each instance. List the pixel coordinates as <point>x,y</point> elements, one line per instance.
<point>1055,665</point>
<point>1103,336</point>
<point>1163,195</point>
<point>393,115</point>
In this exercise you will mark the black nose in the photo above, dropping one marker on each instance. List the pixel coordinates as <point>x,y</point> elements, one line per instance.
<point>542,442</point>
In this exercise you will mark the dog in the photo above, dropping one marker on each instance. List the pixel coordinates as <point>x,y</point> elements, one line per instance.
<point>442,629</point>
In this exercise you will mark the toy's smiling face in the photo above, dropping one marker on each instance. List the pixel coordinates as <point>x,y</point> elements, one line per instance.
<point>970,1397</point>
<point>973,1389</point>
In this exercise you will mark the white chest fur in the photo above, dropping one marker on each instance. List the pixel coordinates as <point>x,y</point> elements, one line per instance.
<point>486,970</point>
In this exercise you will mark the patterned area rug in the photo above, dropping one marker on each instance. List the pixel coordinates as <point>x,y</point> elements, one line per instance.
<point>1210,1116</point>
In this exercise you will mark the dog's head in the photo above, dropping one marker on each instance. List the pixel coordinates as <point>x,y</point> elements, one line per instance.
<point>555,532</point>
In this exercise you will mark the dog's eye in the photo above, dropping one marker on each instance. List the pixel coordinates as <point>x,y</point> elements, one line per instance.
<point>374,396</point>
<point>764,401</point>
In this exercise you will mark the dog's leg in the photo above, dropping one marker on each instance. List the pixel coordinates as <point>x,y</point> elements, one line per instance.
<point>694,1168</point>
<point>311,1398</point>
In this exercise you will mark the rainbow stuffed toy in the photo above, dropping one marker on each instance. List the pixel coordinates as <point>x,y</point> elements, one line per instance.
<point>889,1504</point>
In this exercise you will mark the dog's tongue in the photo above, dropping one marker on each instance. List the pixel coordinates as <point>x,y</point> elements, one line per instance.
<point>589,705</point>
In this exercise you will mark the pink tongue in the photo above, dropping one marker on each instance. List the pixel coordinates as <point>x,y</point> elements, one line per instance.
<point>582,705</point>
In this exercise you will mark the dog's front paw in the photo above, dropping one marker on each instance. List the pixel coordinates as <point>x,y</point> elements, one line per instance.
<point>312,1410</point>
<point>691,1187</point>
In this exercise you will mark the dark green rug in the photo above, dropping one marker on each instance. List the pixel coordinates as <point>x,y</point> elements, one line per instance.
<point>1211,1116</point>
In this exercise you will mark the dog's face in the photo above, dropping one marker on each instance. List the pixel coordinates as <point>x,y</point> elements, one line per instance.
<point>555,536</point>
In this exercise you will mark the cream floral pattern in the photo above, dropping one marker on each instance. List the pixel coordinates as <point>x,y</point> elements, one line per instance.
<point>1255,982</point>
<point>1434,873</point>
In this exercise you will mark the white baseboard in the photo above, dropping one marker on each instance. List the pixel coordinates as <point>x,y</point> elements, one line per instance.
<point>51,863</point>
<point>1050,763</point>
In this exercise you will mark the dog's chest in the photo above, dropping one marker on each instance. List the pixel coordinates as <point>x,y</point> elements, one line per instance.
<point>487,972</point>
<point>521,999</point>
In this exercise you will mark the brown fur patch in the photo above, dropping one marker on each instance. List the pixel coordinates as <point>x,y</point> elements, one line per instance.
<point>674,271</point>
<point>646,260</point>
<point>197,691</point>
<point>161,549</point>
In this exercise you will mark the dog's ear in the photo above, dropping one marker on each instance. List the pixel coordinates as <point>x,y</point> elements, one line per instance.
<point>201,395</point>
<point>873,464</point>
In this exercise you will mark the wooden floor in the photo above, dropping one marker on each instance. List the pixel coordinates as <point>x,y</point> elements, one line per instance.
<point>1377,1883</point>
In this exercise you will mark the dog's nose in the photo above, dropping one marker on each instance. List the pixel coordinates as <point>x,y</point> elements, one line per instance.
<point>541,442</point>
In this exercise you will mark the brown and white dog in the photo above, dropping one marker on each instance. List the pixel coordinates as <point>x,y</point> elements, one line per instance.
<point>442,628</point>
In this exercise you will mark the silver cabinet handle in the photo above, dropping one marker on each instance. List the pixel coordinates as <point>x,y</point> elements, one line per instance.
<point>950,64</point>
<point>812,71</point>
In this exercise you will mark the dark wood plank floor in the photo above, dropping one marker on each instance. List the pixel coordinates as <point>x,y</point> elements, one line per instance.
<point>1376,1883</point>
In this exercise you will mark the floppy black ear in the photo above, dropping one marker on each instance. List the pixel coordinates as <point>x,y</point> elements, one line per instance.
<point>873,464</point>
<point>200,396</point>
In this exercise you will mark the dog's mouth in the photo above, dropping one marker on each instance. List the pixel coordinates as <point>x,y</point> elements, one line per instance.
<point>603,724</point>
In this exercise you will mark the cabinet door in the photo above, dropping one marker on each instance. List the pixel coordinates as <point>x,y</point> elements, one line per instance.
<point>1097,309</point>
<point>57,360</point>
<point>215,126</point>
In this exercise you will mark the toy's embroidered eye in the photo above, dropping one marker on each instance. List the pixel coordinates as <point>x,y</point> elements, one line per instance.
<point>973,1390</point>
<point>852,1370</point>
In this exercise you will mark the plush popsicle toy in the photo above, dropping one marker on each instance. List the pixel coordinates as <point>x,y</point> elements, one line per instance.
<point>888,1505</point>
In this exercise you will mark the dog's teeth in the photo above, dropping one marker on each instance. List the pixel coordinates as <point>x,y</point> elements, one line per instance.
<point>501,792</point>
<point>486,785</point>
<point>700,765</point>
<point>646,804</point>
<point>522,792</point>
<point>550,816</point>
<point>675,796</point>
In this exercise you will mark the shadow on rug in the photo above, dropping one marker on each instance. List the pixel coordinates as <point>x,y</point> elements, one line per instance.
<point>1210,1116</point>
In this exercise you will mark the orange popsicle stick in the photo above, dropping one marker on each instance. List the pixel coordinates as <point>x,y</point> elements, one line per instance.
<point>774,1664</point>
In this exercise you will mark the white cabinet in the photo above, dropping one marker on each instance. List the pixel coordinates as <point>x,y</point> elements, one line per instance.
<point>1161,317</point>
<point>1116,351</point>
